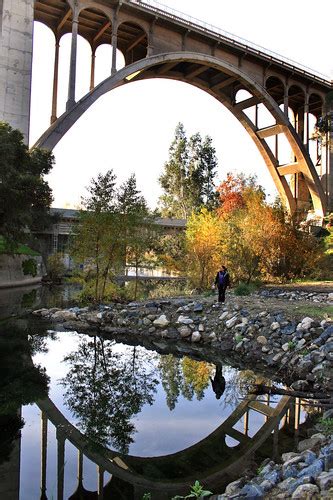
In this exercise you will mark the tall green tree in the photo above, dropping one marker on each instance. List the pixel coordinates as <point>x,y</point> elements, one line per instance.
<point>25,196</point>
<point>188,176</point>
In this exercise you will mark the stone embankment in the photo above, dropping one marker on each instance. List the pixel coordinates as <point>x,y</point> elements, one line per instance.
<point>278,293</point>
<point>305,474</point>
<point>297,350</point>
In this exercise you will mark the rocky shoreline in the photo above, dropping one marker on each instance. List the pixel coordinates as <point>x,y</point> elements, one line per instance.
<point>295,349</point>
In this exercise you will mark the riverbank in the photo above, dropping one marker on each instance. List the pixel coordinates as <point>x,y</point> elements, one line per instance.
<point>265,331</point>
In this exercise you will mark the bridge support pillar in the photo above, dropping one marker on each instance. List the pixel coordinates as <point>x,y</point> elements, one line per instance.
<point>72,68</point>
<point>16,23</point>
<point>329,167</point>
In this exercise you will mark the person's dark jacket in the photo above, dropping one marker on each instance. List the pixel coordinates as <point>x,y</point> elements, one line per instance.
<point>225,281</point>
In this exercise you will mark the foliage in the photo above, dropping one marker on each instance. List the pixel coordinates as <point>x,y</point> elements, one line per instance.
<point>326,426</point>
<point>116,228</point>
<point>105,389</point>
<point>186,376</point>
<point>188,176</point>
<point>260,242</point>
<point>196,491</point>
<point>170,251</point>
<point>55,267</point>
<point>232,192</point>
<point>203,247</point>
<point>170,288</point>
<point>25,196</point>
<point>243,289</point>
<point>19,249</point>
<point>315,311</point>
<point>29,266</point>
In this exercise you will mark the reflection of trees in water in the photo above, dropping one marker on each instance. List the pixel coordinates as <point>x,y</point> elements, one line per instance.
<point>239,383</point>
<point>183,376</point>
<point>21,382</point>
<point>105,389</point>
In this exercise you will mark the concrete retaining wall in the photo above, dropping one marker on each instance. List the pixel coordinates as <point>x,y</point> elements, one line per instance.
<point>11,271</point>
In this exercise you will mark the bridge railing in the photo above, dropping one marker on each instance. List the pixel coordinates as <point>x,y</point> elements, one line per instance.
<point>230,38</point>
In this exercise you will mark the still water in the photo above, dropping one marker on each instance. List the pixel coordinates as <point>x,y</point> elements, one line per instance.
<point>145,419</point>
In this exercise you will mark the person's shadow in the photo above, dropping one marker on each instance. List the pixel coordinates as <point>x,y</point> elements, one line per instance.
<point>218,382</point>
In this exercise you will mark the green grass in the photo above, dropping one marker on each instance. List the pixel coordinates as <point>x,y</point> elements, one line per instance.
<point>20,250</point>
<point>316,311</point>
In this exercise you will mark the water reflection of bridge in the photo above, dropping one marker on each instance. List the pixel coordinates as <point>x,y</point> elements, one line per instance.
<point>210,460</point>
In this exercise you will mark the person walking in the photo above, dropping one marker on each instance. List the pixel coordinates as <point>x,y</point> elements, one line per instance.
<point>222,281</point>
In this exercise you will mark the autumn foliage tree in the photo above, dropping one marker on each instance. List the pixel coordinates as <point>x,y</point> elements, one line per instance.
<point>258,239</point>
<point>203,247</point>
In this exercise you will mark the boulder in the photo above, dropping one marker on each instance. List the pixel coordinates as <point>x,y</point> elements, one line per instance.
<point>161,322</point>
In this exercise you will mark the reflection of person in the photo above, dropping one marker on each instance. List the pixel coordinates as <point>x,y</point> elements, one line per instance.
<point>222,281</point>
<point>218,382</point>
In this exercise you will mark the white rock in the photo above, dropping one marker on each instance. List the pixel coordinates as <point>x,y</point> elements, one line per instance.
<point>184,320</point>
<point>275,325</point>
<point>224,315</point>
<point>306,323</point>
<point>162,321</point>
<point>231,322</point>
<point>212,337</point>
<point>285,347</point>
<point>201,328</point>
<point>63,316</point>
<point>330,296</point>
<point>196,337</point>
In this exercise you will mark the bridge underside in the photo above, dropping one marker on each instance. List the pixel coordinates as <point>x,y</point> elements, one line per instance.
<point>223,81</point>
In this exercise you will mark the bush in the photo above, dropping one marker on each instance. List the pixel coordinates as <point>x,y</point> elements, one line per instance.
<point>55,267</point>
<point>243,289</point>
<point>29,266</point>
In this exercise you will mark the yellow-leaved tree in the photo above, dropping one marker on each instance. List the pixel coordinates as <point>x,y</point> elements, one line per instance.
<point>203,247</point>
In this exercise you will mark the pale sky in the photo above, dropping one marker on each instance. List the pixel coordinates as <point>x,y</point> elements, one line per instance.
<point>130,129</point>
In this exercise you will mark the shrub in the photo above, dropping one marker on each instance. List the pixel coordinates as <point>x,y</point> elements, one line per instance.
<point>29,266</point>
<point>55,267</point>
<point>243,289</point>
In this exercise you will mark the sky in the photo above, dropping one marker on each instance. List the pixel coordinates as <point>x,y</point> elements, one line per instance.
<point>131,128</point>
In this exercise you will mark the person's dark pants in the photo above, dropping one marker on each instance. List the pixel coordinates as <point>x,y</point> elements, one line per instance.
<point>222,290</point>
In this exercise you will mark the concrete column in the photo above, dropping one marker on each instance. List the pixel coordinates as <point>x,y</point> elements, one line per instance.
<point>73,60</point>
<point>114,52</point>
<point>150,47</point>
<point>55,82</point>
<point>60,465</point>
<point>16,30</point>
<point>43,455</point>
<point>306,123</point>
<point>92,69</point>
<point>328,187</point>
<point>286,102</point>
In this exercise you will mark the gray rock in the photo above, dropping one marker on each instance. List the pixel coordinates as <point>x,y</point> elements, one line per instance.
<point>252,490</point>
<point>300,385</point>
<point>185,331</point>
<point>64,315</point>
<point>306,492</point>
<point>231,322</point>
<point>184,320</point>
<point>262,340</point>
<point>234,486</point>
<point>325,480</point>
<point>308,444</point>
<point>313,470</point>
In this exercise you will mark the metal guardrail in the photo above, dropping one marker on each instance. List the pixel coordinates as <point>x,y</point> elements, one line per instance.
<point>193,22</point>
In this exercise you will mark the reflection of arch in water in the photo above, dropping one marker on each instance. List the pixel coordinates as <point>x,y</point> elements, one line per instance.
<point>210,460</point>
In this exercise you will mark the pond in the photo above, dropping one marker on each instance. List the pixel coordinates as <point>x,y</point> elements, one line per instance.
<point>151,422</point>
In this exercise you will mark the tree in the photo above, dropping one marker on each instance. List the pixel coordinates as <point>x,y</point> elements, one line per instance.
<point>96,241</point>
<point>232,192</point>
<point>25,196</point>
<point>203,247</point>
<point>105,389</point>
<point>259,241</point>
<point>188,177</point>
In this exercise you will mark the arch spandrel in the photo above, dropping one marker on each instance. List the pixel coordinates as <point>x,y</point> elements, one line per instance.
<point>219,79</point>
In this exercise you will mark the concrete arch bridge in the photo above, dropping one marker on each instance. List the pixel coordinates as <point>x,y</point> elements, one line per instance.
<point>252,82</point>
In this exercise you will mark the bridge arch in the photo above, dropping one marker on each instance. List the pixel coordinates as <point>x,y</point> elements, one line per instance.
<point>132,41</point>
<point>220,79</point>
